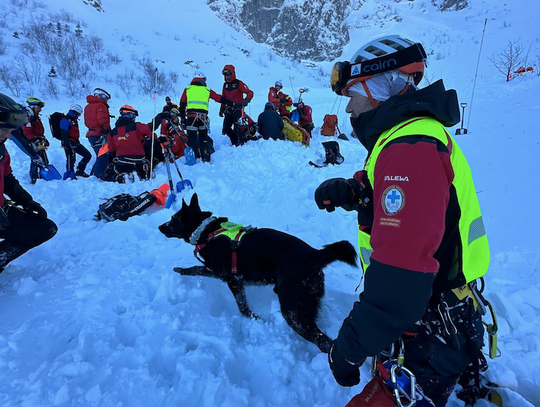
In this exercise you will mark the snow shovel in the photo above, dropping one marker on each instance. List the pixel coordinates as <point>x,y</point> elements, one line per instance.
<point>183,183</point>
<point>49,173</point>
<point>189,154</point>
<point>172,196</point>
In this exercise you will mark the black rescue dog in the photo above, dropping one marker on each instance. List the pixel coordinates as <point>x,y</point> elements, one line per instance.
<point>263,256</point>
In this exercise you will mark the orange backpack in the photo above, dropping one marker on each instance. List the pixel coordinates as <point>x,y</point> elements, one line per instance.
<point>329,127</point>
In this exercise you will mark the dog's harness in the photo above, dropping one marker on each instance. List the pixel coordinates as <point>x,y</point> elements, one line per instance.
<point>233,231</point>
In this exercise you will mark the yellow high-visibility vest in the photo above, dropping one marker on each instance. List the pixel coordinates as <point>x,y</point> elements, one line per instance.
<point>197,97</point>
<point>475,247</point>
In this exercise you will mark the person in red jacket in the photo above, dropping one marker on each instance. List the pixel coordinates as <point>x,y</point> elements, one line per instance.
<point>126,143</point>
<point>172,133</point>
<point>420,230</point>
<point>97,118</point>
<point>23,222</point>
<point>35,133</point>
<point>233,90</point>
<point>285,104</point>
<point>273,94</point>
<point>69,130</point>
<point>306,120</point>
<point>169,105</point>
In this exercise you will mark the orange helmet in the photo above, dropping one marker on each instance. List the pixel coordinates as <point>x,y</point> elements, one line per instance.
<point>128,110</point>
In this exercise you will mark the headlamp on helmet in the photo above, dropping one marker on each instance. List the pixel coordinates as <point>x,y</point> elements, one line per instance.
<point>410,60</point>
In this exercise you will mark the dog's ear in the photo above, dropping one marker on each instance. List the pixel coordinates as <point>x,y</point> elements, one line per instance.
<point>195,202</point>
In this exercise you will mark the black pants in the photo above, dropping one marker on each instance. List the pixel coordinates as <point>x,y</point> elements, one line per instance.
<point>96,142</point>
<point>159,157</point>
<point>126,164</point>
<point>71,158</point>
<point>438,365</point>
<point>198,138</point>
<point>231,128</point>
<point>308,127</point>
<point>24,232</point>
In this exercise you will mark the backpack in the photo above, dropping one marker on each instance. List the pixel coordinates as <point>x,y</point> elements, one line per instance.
<point>329,127</point>
<point>54,123</point>
<point>124,206</point>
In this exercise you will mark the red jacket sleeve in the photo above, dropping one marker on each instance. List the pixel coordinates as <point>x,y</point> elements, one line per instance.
<point>245,90</point>
<point>215,96</point>
<point>183,98</point>
<point>414,180</point>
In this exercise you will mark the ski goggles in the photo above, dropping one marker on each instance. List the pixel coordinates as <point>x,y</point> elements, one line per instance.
<point>226,72</point>
<point>13,120</point>
<point>410,60</point>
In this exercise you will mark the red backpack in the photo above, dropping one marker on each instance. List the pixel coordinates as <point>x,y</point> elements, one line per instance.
<point>329,127</point>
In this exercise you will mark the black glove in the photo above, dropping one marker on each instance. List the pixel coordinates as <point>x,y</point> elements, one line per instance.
<point>166,114</point>
<point>347,374</point>
<point>245,102</point>
<point>335,192</point>
<point>36,209</point>
<point>163,139</point>
<point>221,112</point>
<point>4,221</point>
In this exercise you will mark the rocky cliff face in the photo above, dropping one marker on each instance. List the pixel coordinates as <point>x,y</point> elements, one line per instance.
<point>313,30</point>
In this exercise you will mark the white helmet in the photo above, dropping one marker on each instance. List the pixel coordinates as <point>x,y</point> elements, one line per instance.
<point>384,45</point>
<point>389,52</point>
<point>76,108</point>
<point>199,75</point>
<point>103,94</point>
<point>278,83</point>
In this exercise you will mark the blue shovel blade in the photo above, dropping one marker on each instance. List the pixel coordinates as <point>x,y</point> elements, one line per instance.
<point>49,173</point>
<point>190,156</point>
<point>170,201</point>
<point>181,185</point>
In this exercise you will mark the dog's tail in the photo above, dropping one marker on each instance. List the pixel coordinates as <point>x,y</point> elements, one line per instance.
<point>340,251</point>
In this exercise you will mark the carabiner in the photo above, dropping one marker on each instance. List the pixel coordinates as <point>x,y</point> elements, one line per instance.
<point>401,392</point>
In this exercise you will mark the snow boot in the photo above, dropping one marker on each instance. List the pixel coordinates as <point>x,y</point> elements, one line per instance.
<point>81,173</point>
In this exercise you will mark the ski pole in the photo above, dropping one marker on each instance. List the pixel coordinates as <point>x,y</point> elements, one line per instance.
<point>294,96</point>
<point>154,128</point>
